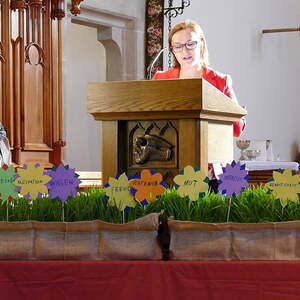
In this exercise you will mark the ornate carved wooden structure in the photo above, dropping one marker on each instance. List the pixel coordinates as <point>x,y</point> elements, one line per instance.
<point>31,78</point>
<point>162,124</point>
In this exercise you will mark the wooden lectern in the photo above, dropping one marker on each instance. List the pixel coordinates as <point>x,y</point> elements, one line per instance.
<point>163,125</point>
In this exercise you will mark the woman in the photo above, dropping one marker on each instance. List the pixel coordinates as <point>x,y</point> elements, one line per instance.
<point>190,56</point>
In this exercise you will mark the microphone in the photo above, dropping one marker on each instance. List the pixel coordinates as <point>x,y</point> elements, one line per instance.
<point>150,67</point>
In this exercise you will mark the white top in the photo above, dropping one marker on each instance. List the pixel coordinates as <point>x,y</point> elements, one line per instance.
<point>252,165</point>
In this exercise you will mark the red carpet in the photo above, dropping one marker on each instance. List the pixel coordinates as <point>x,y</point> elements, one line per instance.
<point>149,280</point>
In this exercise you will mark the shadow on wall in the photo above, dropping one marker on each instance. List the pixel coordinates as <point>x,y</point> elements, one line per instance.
<point>295,152</point>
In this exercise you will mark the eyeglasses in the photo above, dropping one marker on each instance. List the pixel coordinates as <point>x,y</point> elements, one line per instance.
<point>190,45</point>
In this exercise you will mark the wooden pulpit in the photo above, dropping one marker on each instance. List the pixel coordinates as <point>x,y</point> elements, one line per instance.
<point>163,125</point>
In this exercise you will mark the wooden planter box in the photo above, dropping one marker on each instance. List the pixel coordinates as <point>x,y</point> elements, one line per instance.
<point>90,240</point>
<point>234,241</point>
<point>97,240</point>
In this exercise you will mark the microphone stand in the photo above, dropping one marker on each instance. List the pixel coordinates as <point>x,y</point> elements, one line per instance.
<point>150,67</point>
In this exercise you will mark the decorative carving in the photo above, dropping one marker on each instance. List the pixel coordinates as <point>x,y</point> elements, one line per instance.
<point>75,9</point>
<point>60,143</point>
<point>153,128</point>
<point>35,3</point>
<point>137,126</point>
<point>151,148</point>
<point>154,33</point>
<point>41,56</point>
<point>17,4</point>
<point>172,12</point>
<point>152,144</point>
<point>58,9</point>
<point>168,125</point>
<point>2,58</point>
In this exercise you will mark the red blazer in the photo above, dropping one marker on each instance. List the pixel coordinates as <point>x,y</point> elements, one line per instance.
<point>221,81</point>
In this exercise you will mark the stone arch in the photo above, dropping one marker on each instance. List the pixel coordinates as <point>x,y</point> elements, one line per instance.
<point>119,37</point>
<point>113,53</point>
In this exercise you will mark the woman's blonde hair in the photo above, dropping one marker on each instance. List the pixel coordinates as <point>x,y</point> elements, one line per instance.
<point>188,24</point>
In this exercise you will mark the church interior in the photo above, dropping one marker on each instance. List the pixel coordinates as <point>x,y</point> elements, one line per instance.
<point>114,186</point>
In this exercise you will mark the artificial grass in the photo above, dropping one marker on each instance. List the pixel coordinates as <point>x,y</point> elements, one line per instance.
<point>254,205</point>
<point>88,205</point>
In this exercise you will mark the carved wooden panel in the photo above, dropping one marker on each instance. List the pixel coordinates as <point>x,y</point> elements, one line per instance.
<point>5,108</point>
<point>30,69</point>
<point>152,145</point>
<point>2,57</point>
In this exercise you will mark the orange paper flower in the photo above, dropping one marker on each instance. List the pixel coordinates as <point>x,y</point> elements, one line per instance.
<point>148,186</point>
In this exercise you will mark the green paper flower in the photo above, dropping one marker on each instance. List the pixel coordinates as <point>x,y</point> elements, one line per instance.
<point>7,187</point>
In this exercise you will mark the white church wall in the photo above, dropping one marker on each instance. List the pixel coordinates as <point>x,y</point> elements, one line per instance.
<point>85,62</point>
<point>265,68</point>
<point>84,59</point>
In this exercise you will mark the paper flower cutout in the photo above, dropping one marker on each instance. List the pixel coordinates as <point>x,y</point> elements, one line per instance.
<point>191,183</point>
<point>118,191</point>
<point>31,181</point>
<point>285,186</point>
<point>64,182</point>
<point>7,187</point>
<point>234,179</point>
<point>147,186</point>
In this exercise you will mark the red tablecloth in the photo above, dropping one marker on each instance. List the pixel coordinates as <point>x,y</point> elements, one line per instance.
<point>149,280</point>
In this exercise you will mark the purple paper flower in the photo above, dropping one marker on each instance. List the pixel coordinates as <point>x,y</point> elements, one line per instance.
<point>64,183</point>
<point>234,179</point>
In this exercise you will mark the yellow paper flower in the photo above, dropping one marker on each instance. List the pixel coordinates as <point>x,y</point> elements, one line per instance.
<point>191,183</point>
<point>285,186</point>
<point>31,180</point>
<point>119,194</point>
